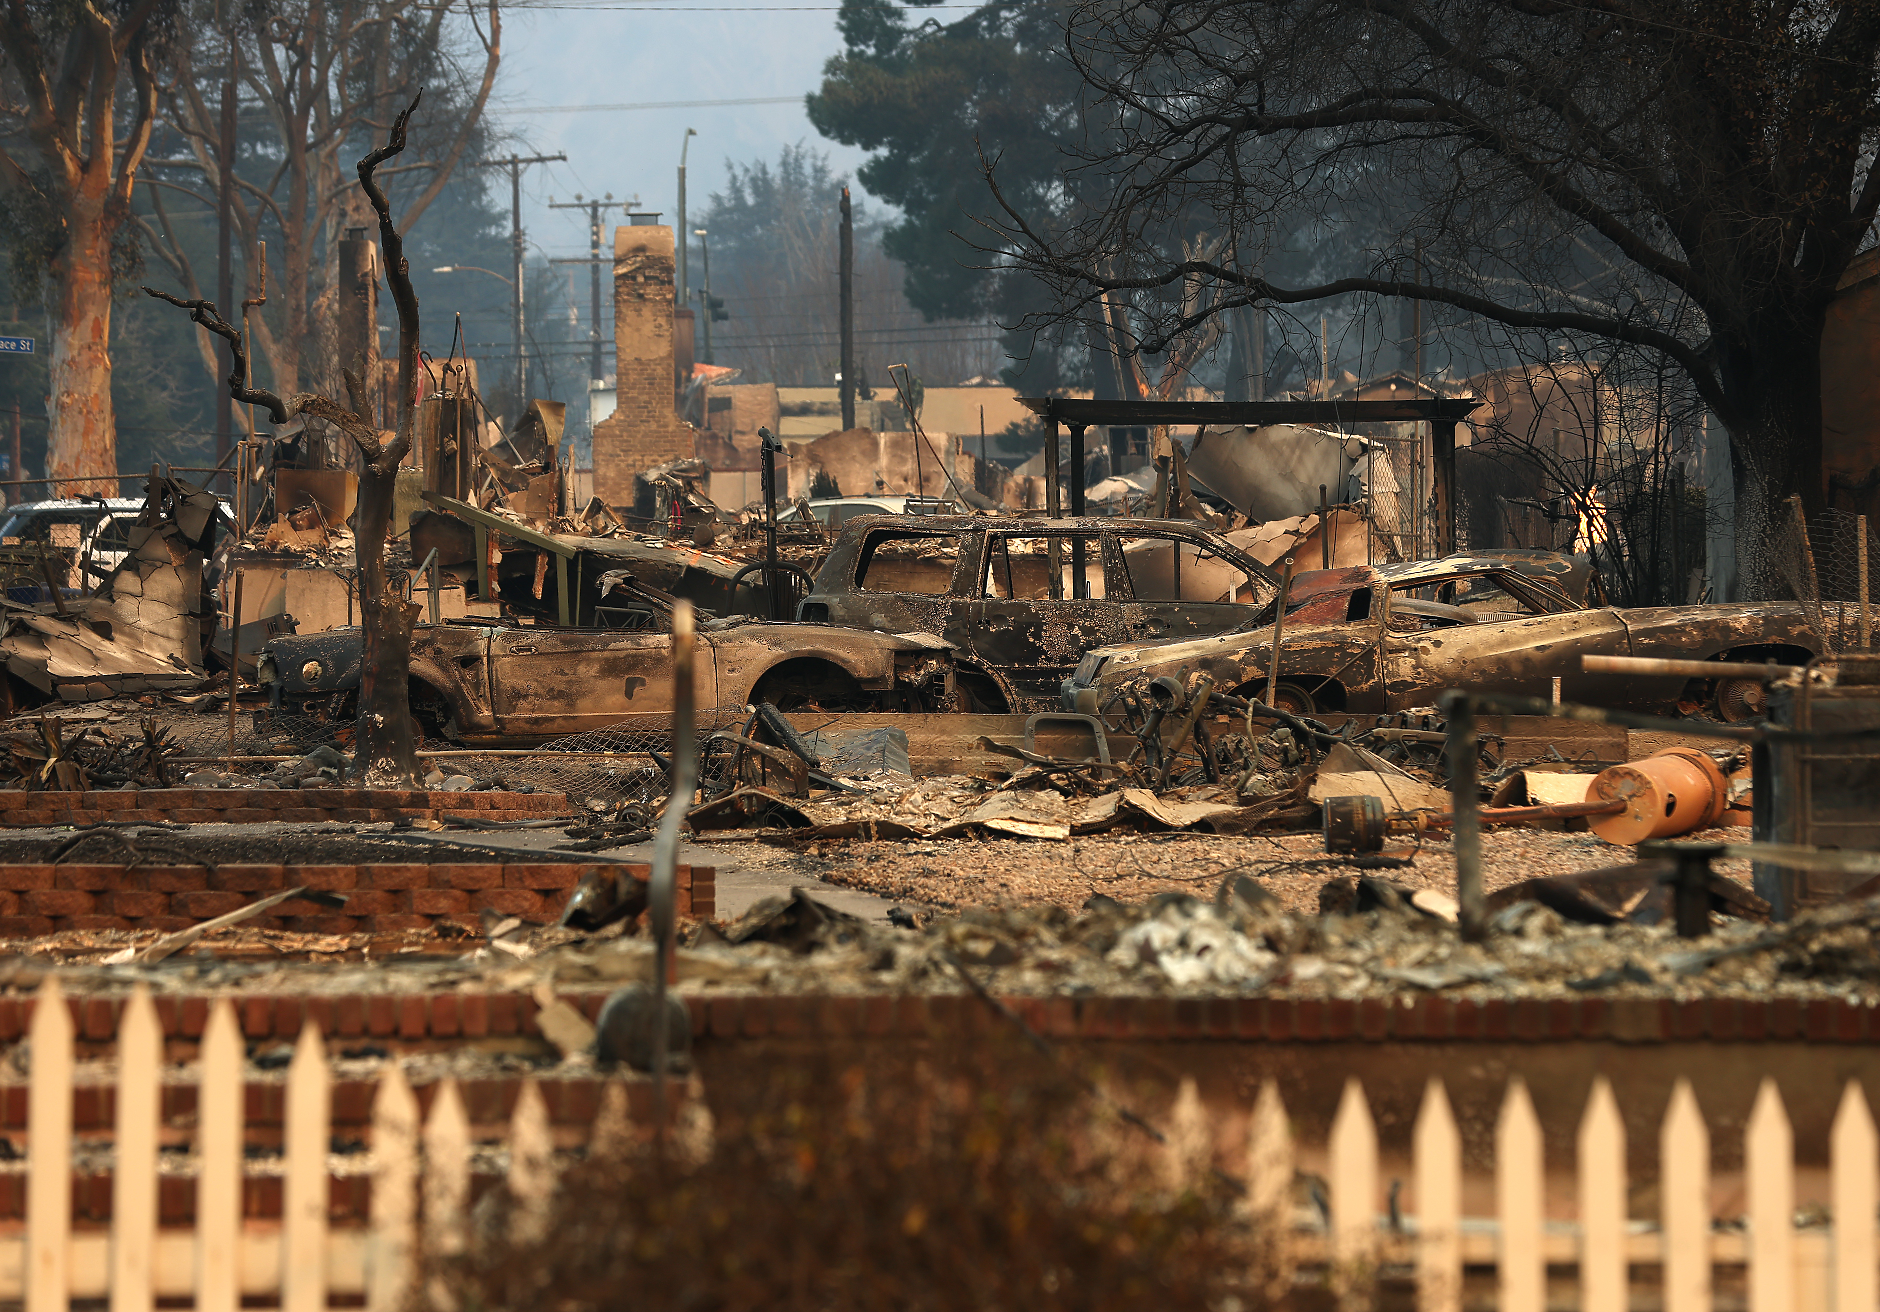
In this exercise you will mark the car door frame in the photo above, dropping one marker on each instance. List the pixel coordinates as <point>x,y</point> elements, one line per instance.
<point>651,677</point>
<point>1039,680</point>
<point>1135,608</point>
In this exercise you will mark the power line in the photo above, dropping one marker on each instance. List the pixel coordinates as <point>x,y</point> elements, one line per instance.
<point>650,104</point>
<point>716,9</point>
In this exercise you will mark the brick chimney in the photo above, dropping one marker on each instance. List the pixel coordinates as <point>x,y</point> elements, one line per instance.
<point>644,430</point>
<point>358,335</point>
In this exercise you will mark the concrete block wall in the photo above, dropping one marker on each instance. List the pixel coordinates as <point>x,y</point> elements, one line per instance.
<point>644,430</point>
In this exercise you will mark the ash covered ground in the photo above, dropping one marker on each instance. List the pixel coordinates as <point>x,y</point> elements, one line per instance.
<point>950,875</point>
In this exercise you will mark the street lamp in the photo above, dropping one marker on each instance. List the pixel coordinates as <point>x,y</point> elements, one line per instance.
<point>510,283</point>
<point>472,268</point>
<point>705,297</point>
<point>685,144</point>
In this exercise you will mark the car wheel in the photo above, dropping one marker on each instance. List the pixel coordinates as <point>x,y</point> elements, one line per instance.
<point>1741,699</point>
<point>1293,698</point>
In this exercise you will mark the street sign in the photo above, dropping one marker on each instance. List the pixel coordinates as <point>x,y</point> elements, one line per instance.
<point>16,345</point>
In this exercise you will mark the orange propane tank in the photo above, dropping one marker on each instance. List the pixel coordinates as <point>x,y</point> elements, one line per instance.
<point>1668,793</point>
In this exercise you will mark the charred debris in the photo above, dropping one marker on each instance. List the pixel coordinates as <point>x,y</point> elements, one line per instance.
<point>433,604</point>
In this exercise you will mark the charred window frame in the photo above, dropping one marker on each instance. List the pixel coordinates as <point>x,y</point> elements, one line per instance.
<point>1123,584</point>
<point>1445,590</point>
<point>875,539</point>
<point>1065,548</point>
<point>1542,594</point>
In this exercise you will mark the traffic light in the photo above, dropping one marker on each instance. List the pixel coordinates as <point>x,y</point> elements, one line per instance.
<point>716,304</point>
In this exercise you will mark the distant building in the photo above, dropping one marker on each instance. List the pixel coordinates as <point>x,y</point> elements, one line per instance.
<point>1850,391</point>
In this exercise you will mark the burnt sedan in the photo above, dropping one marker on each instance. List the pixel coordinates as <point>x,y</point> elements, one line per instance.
<point>1020,600</point>
<point>482,683</point>
<point>1391,637</point>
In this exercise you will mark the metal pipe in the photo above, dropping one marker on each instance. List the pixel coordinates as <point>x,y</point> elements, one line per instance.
<point>1464,804</point>
<point>662,888</point>
<point>769,445</point>
<point>1325,531</point>
<point>1688,669</point>
<point>845,288</point>
<point>1197,706</point>
<point>1799,855</point>
<point>1514,815</point>
<point>1279,627</point>
<point>1053,509</point>
<point>234,660</point>
<point>430,563</point>
<point>1860,557</point>
<point>1080,583</point>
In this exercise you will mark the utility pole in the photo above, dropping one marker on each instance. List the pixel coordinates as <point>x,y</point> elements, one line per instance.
<point>594,208</point>
<point>705,296</point>
<point>515,163</point>
<point>847,289</point>
<point>224,258</point>
<point>685,144</point>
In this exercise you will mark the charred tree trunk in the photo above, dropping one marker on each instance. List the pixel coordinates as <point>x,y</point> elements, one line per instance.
<point>386,747</point>
<point>85,175</point>
<point>386,736</point>
<point>81,425</point>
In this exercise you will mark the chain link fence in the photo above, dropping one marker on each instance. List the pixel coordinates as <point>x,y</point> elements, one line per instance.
<point>1825,563</point>
<point>1396,483</point>
<point>606,769</point>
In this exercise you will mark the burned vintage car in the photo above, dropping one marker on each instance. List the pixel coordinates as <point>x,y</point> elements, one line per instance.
<point>1021,600</point>
<point>484,683</point>
<point>1391,637</point>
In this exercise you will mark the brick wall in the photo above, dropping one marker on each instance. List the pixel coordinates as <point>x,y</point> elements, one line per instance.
<point>380,898</point>
<point>22,809</point>
<point>644,430</point>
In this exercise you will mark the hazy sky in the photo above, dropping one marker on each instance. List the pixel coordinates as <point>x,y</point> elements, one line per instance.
<point>633,53</point>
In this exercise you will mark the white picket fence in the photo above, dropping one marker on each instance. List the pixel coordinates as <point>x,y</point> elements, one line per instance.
<point>298,1259</point>
<point>301,1260</point>
<point>1790,1267</point>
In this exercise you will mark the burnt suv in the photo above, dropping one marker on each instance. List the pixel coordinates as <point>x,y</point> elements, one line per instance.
<point>1021,600</point>
<point>1392,637</point>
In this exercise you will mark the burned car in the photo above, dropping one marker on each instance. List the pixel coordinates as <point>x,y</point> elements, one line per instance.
<point>485,683</point>
<point>1391,637</point>
<point>1021,599</point>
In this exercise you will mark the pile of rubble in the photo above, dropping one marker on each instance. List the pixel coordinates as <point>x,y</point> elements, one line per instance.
<point>1240,942</point>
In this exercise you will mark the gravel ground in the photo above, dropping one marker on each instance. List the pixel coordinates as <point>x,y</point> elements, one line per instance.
<point>951,875</point>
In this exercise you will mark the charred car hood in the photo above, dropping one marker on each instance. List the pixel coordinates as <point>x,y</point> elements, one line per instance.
<point>1120,660</point>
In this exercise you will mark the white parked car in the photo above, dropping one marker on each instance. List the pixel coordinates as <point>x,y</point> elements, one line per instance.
<point>837,511</point>
<point>97,528</point>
